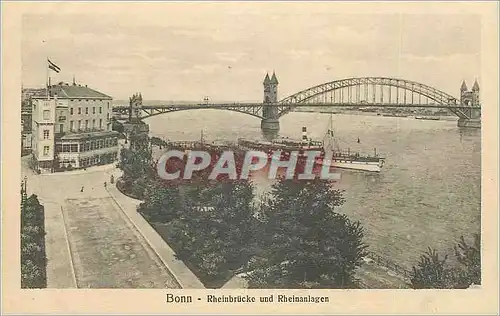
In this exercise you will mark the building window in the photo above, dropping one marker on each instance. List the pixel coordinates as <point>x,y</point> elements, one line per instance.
<point>79,110</point>
<point>46,114</point>
<point>93,110</point>
<point>61,128</point>
<point>46,150</point>
<point>100,123</point>
<point>71,111</point>
<point>79,125</point>
<point>100,110</point>
<point>93,124</point>
<point>46,134</point>
<point>86,110</point>
<point>86,124</point>
<point>108,105</point>
<point>71,127</point>
<point>107,116</point>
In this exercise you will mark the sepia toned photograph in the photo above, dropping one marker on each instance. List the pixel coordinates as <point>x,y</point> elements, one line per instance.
<point>244,146</point>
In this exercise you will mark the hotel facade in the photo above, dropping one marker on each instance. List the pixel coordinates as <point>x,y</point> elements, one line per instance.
<point>71,128</point>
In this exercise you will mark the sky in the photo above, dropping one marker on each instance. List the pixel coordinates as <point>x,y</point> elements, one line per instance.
<point>223,51</point>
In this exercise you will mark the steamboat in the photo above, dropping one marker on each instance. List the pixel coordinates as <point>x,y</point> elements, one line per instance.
<point>329,152</point>
<point>285,146</point>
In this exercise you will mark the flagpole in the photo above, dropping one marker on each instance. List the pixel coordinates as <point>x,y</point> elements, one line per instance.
<point>47,78</point>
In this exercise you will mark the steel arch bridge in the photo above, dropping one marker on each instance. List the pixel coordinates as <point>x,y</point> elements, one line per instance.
<point>373,91</point>
<point>349,92</point>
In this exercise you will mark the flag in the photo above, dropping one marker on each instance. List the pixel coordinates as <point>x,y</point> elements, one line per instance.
<point>53,66</point>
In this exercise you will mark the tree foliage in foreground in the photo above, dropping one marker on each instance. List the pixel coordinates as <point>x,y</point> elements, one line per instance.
<point>138,166</point>
<point>438,273</point>
<point>161,203</point>
<point>215,230</point>
<point>305,243</point>
<point>33,258</point>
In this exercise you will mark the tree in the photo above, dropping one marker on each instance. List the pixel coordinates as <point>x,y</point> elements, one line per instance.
<point>137,165</point>
<point>305,242</point>
<point>161,203</point>
<point>215,231</point>
<point>470,259</point>
<point>33,258</point>
<point>117,126</point>
<point>434,273</point>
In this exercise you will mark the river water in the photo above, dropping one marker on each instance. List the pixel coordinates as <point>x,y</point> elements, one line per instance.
<point>428,193</point>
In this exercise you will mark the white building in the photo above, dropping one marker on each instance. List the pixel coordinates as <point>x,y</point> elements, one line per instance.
<point>72,128</point>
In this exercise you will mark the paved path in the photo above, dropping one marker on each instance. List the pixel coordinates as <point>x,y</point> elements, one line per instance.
<point>184,276</point>
<point>90,241</point>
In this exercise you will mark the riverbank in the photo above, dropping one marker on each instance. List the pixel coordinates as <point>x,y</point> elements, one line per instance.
<point>427,116</point>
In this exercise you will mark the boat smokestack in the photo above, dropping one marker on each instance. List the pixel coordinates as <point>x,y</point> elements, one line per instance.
<point>304,134</point>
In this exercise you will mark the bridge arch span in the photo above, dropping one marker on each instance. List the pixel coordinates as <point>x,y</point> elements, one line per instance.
<point>308,95</point>
<point>420,88</point>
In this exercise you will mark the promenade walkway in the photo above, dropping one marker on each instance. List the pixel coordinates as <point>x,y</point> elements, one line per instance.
<point>184,276</point>
<point>92,238</point>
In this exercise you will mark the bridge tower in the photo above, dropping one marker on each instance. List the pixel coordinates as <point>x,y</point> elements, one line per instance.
<point>135,129</point>
<point>472,100</point>
<point>270,122</point>
<point>135,106</point>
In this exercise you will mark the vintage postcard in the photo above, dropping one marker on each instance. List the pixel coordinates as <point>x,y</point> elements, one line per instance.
<point>250,157</point>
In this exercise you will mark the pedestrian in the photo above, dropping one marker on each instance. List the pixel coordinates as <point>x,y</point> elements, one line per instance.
<point>81,189</point>
<point>105,184</point>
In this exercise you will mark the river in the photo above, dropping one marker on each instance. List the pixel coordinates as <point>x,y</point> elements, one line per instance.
<point>428,193</point>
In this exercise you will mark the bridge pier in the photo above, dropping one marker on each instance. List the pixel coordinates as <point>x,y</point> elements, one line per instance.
<point>469,123</point>
<point>270,124</point>
<point>270,128</point>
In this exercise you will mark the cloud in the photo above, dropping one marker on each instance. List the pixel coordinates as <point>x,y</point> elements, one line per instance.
<point>182,52</point>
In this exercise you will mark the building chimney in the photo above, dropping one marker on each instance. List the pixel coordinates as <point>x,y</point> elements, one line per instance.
<point>304,134</point>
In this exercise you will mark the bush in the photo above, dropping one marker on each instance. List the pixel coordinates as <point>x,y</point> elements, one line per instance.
<point>305,243</point>
<point>433,272</point>
<point>33,257</point>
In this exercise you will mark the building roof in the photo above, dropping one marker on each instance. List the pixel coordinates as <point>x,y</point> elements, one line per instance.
<point>67,91</point>
<point>463,87</point>
<point>33,92</point>
<point>274,80</point>
<point>267,80</point>
<point>76,136</point>
<point>475,87</point>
